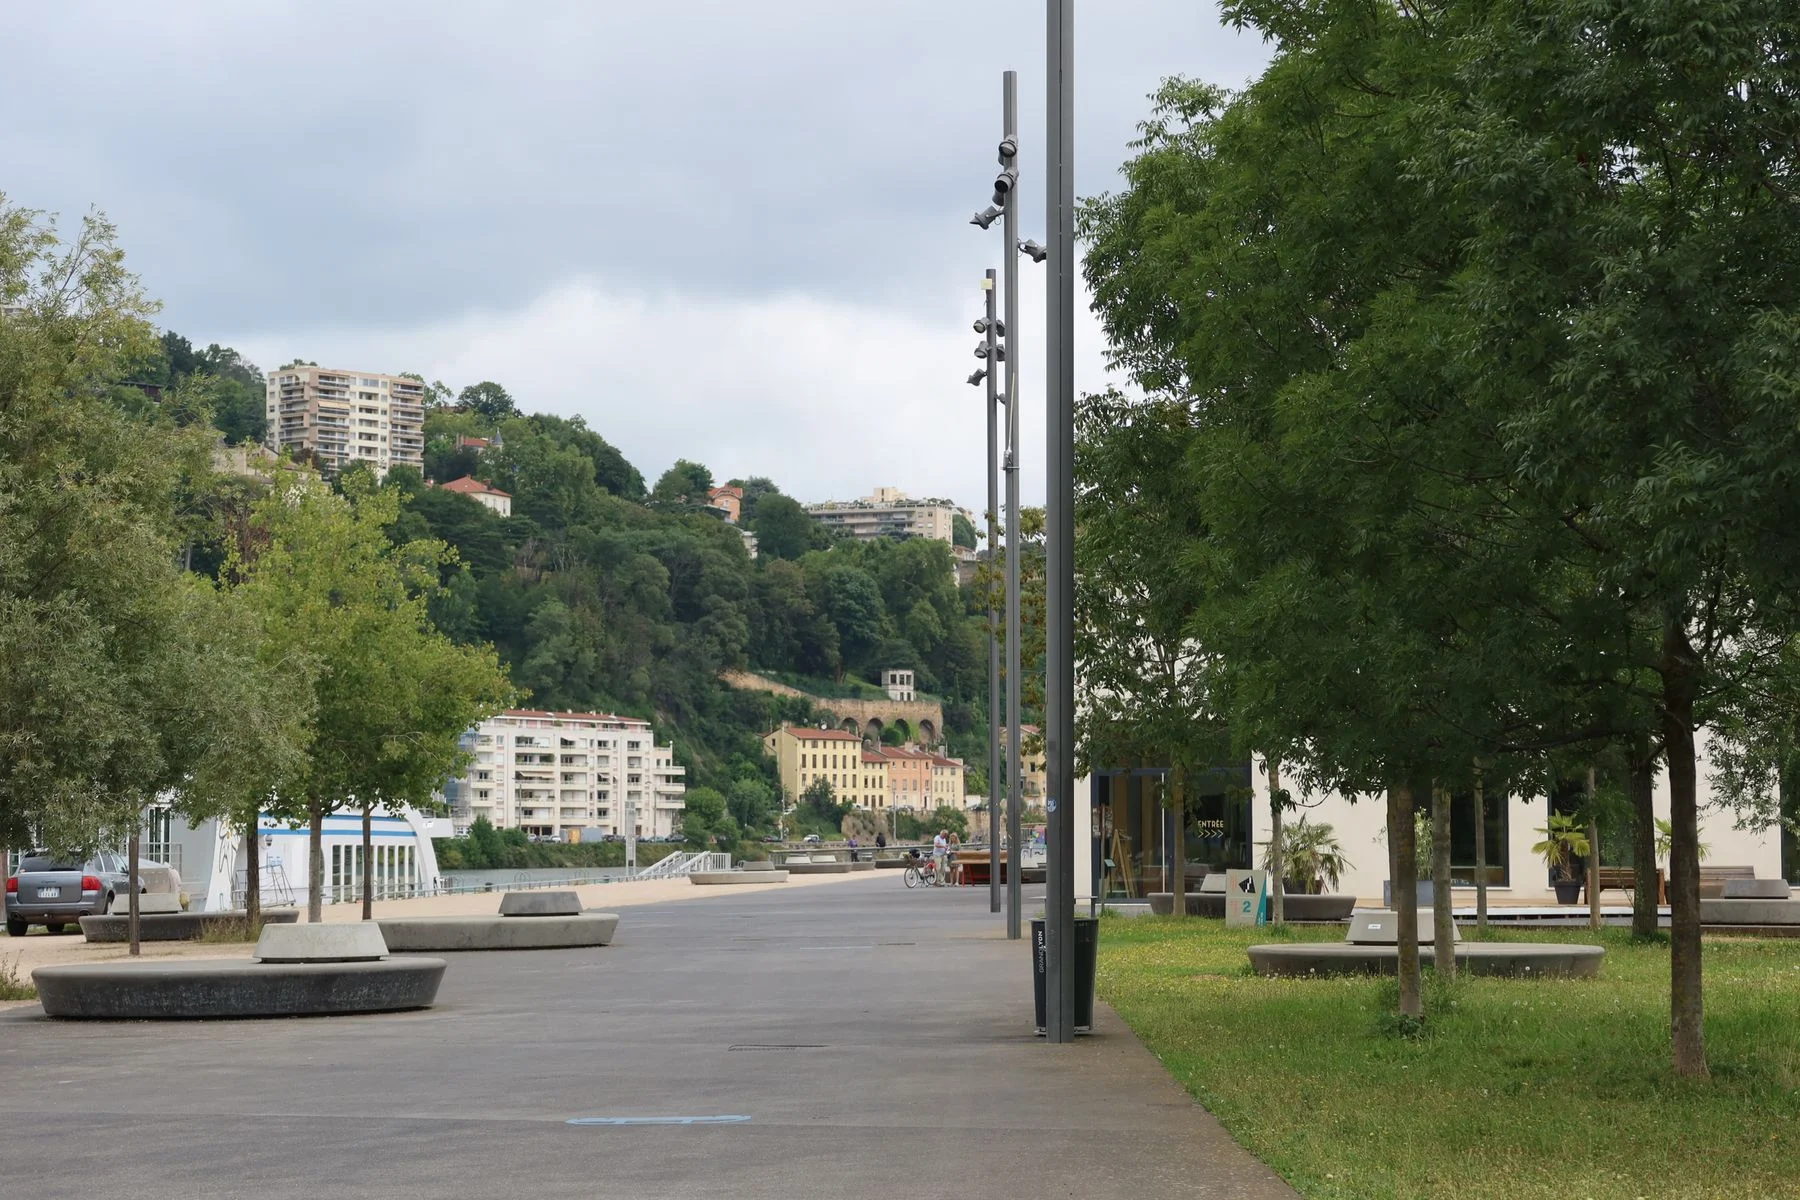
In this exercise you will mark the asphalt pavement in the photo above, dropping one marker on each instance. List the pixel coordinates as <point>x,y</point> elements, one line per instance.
<point>844,1041</point>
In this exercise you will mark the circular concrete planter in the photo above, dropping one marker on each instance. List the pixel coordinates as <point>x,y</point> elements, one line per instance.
<point>176,927</point>
<point>1519,959</point>
<point>229,987</point>
<point>735,878</point>
<point>413,935</point>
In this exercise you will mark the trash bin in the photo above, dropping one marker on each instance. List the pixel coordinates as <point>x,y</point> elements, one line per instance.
<point>1087,959</point>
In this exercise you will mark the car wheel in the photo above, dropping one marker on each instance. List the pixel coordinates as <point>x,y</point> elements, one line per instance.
<point>58,927</point>
<point>16,928</point>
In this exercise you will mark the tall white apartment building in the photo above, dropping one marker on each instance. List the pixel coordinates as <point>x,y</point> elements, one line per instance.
<point>347,416</point>
<point>547,772</point>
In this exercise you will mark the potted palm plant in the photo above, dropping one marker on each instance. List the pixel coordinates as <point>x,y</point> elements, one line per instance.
<point>1312,860</point>
<point>1564,841</point>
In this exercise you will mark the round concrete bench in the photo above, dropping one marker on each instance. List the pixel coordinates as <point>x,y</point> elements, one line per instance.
<point>1519,959</point>
<point>413,935</point>
<point>734,878</point>
<point>757,865</point>
<point>215,988</point>
<point>177,927</point>
<point>816,868</point>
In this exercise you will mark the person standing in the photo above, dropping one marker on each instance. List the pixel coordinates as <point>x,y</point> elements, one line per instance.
<point>940,849</point>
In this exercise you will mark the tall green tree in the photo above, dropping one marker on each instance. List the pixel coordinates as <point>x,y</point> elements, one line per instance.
<point>392,696</point>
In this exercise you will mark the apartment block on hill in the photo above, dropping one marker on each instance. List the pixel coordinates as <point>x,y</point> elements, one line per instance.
<point>346,417</point>
<point>889,513</point>
<point>550,772</point>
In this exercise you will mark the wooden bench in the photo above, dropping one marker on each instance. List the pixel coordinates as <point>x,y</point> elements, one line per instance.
<point>1712,879</point>
<point>1624,879</point>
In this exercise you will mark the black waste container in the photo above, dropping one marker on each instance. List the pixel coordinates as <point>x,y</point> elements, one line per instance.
<point>1087,960</point>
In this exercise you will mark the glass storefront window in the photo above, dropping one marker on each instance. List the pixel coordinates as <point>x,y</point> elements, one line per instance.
<point>1130,859</point>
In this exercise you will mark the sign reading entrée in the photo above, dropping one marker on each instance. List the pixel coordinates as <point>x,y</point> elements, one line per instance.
<point>1246,897</point>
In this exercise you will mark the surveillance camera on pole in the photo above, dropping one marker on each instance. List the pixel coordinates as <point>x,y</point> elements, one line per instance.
<point>979,375</point>
<point>985,217</point>
<point>1033,251</point>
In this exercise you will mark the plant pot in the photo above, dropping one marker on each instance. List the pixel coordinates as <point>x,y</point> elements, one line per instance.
<point>1567,891</point>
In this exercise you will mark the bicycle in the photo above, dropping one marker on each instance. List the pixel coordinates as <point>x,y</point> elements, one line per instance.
<point>922,874</point>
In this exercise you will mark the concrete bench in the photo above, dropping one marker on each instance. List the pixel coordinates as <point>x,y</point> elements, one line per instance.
<point>1516,959</point>
<point>540,904</point>
<point>735,878</point>
<point>177,926</point>
<point>186,989</point>
<point>349,941</point>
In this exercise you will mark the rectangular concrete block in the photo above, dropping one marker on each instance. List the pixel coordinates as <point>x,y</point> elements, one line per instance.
<point>540,904</point>
<point>357,941</point>
<point>1755,889</point>
<point>1212,885</point>
<point>148,902</point>
<point>1382,928</point>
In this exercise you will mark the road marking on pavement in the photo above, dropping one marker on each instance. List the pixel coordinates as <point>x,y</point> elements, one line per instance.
<point>719,1120</point>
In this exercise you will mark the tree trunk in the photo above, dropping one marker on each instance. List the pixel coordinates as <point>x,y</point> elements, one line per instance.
<point>1277,853</point>
<point>1593,858</point>
<point>1644,901</point>
<point>1406,895</point>
<point>1178,842</point>
<point>1686,1005</point>
<point>1443,928</point>
<point>368,867</point>
<point>315,862</point>
<point>132,846</point>
<point>252,872</point>
<point>1481,871</point>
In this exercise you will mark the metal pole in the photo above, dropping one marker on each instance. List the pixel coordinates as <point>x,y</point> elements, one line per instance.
<point>993,505</point>
<point>1059,393</point>
<point>1014,785</point>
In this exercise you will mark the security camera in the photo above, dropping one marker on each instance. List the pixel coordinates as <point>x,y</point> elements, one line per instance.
<point>1003,185</point>
<point>979,375</point>
<point>985,217</point>
<point>1034,251</point>
<point>1009,149</point>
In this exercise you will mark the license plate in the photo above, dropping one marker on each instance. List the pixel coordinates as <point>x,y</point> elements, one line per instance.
<point>49,893</point>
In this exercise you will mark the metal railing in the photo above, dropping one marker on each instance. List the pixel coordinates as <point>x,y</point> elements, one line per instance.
<point>677,865</point>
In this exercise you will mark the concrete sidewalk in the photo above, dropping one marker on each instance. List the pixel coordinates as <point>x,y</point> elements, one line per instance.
<point>878,1039</point>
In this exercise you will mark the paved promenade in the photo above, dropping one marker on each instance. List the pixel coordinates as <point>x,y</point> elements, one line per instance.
<point>878,1039</point>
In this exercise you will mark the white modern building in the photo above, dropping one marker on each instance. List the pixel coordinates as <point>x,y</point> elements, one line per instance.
<point>550,772</point>
<point>345,417</point>
<point>1228,825</point>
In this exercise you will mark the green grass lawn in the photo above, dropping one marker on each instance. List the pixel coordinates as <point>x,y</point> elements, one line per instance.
<point>1517,1089</point>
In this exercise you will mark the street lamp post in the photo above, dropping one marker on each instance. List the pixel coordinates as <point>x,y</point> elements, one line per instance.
<point>1059,642</point>
<point>1015,787</point>
<point>993,505</point>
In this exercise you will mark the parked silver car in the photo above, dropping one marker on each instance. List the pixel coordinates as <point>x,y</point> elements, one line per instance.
<point>53,892</point>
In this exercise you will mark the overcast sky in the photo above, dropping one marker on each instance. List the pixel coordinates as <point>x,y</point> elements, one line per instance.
<point>725,231</point>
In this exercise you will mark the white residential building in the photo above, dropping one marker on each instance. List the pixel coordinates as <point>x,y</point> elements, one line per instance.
<point>888,513</point>
<point>550,772</point>
<point>345,417</point>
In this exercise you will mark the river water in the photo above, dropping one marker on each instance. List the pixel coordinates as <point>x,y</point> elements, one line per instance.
<point>476,880</point>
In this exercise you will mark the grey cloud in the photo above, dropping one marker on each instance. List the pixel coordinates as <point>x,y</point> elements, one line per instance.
<point>322,165</point>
